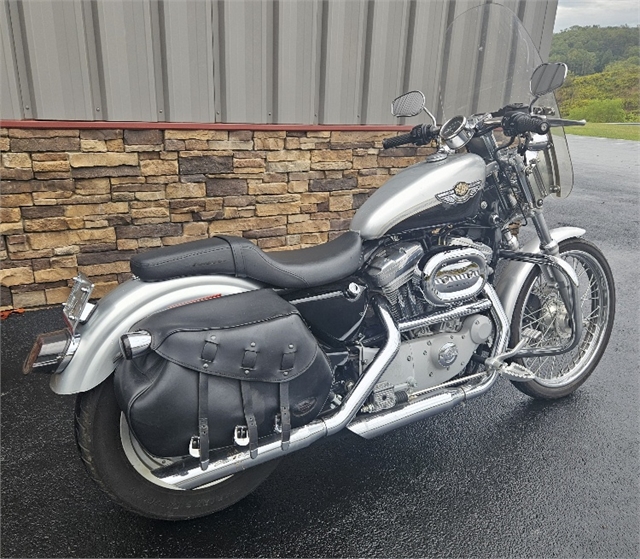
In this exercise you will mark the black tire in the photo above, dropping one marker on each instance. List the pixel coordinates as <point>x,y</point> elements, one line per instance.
<point>597,322</point>
<point>98,435</point>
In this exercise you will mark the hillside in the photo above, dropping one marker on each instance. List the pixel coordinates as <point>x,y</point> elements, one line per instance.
<point>589,50</point>
<point>604,73</point>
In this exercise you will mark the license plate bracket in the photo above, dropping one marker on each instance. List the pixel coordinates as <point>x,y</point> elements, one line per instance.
<point>77,308</point>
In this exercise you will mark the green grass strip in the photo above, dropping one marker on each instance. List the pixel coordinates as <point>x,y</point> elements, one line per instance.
<point>603,130</point>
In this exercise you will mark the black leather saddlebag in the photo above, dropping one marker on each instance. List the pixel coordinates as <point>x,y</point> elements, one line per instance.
<point>223,369</point>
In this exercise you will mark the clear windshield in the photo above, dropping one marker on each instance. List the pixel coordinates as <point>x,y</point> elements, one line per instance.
<point>490,58</point>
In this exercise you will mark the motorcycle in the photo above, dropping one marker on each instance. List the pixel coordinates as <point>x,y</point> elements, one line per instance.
<point>195,377</point>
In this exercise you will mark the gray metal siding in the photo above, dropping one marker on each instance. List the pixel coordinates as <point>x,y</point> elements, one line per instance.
<point>425,50</point>
<point>188,41</point>
<point>344,30</point>
<point>297,27</point>
<point>58,60</point>
<point>244,61</point>
<point>387,24</point>
<point>10,103</point>
<point>126,44</point>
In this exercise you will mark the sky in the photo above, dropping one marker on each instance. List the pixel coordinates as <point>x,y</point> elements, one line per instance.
<point>596,12</point>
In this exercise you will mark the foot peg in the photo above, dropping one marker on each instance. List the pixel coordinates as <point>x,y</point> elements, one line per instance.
<point>531,335</point>
<point>516,372</point>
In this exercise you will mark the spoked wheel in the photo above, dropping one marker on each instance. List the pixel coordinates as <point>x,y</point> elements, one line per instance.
<point>540,308</point>
<point>122,467</point>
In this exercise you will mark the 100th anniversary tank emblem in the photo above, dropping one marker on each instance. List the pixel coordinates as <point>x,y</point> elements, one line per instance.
<point>460,193</point>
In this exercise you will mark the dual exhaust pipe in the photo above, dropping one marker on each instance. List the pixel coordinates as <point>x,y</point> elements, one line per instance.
<point>187,473</point>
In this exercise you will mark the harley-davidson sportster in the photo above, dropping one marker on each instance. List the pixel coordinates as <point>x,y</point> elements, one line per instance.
<point>216,360</point>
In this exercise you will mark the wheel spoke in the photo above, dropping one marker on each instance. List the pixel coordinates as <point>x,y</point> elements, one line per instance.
<point>545,312</point>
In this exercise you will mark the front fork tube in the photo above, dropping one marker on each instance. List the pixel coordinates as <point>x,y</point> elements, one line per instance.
<point>554,275</point>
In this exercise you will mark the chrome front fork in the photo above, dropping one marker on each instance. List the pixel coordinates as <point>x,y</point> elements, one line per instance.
<point>556,271</point>
<point>562,275</point>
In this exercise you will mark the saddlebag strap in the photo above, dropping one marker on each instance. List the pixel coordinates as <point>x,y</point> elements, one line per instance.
<point>250,417</point>
<point>203,421</point>
<point>236,251</point>
<point>285,414</point>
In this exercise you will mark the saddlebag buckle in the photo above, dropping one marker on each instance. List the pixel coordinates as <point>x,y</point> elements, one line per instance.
<point>194,446</point>
<point>241,435</point>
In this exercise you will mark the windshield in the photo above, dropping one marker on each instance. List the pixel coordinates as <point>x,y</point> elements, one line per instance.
<point>494,59</point>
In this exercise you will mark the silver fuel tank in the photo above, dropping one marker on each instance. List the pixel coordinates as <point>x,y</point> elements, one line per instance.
<point>423,195</point>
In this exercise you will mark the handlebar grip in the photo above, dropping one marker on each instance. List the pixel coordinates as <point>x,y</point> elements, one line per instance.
<point>397,141</point>
<point>525,123</point>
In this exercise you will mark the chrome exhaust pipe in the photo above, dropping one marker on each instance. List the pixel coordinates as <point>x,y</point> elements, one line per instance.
<point>380,423</point>
<point>187,474</point>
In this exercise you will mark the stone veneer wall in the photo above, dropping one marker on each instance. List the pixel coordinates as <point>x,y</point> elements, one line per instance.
<point>86,200</point>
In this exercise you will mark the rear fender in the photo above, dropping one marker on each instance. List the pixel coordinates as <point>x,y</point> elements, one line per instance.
<point>515,273</point>
<point>98,350</point>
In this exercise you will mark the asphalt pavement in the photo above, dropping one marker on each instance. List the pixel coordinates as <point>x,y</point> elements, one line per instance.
<point>503,475</point>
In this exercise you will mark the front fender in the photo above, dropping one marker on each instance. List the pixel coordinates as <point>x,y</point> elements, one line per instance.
<point>98,350</point>
<point>515,273</point>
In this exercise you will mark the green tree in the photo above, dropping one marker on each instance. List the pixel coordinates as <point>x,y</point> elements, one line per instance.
<point>608,44</point>
<point>581,62</point>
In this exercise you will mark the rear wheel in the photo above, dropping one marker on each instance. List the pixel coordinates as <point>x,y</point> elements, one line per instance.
<point>122,468</point>
<point>540,307</point>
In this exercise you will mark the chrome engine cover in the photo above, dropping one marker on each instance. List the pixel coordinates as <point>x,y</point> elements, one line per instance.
<point>392,271</point>
<point>393,266</point>
<point>452,276</point>
<point>428,361</point>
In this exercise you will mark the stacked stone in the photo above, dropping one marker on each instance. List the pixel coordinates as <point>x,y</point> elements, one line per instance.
<point>87,200</point>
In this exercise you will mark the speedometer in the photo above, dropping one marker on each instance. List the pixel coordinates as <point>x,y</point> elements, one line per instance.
<point>455,132</point>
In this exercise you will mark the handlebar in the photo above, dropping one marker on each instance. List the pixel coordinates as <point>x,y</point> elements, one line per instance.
<point>513,122</point>
<point>518,123</point>
<point>565,122</point>
<point>397,141</point>
<point>420,135</point>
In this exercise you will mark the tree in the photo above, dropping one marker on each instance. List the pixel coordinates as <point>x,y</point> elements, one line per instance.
<point>581,62</point>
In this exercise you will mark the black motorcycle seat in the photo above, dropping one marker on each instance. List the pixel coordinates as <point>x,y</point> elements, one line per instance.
<point>305,267</point>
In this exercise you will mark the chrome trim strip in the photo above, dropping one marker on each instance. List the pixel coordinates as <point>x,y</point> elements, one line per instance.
<point>444,316</point>
<point>320,297</point>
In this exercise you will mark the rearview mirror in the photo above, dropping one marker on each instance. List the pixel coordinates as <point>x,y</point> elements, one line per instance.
<point>408,104</point>
<point>547,78</point>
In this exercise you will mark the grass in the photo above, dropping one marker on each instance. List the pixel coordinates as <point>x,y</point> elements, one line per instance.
<point>604,130</point>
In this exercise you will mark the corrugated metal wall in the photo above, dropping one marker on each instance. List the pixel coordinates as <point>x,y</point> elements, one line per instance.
<point>248,61</point>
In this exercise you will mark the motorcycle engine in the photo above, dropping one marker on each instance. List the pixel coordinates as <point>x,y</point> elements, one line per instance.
<point>392,271</point>
<point>446,278</point>
<point>433,355</point>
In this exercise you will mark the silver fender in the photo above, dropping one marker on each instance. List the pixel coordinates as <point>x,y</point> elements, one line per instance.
<point>96,356</point>
<point>515,273</point>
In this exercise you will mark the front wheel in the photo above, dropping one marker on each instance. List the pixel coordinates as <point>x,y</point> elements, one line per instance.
<point>122,468</point>
<point>540,307</point>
